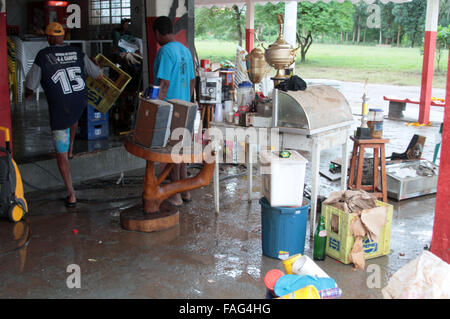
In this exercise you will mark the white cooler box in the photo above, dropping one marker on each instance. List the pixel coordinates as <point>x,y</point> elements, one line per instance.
<point>282,178</point>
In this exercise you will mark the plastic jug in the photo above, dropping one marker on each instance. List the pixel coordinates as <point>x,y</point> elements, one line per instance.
<point>245,96</point>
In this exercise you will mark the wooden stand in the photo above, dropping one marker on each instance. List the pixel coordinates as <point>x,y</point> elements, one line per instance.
<point>379,158</point>
<point>148,216</point>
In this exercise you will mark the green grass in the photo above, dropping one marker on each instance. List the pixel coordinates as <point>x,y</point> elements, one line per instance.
<point>388,65</point>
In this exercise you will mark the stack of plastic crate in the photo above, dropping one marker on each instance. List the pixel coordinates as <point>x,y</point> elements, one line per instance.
<point>93,124</point>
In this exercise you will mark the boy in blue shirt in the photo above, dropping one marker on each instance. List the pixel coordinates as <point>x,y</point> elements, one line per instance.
<point>174,73</point>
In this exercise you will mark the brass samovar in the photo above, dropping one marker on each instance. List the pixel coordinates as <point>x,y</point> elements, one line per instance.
<point>257,67</point>
<point>280,54</point>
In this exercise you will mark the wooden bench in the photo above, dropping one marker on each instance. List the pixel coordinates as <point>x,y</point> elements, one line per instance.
<point>397,105</point>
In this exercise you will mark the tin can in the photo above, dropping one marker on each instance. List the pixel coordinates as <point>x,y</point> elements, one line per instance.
<point>152,92</point>
<point>230,117</point>
<point>155,93</point>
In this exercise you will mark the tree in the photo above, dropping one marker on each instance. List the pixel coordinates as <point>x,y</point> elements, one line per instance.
<point>411,17</point>
<point>444,12</point>
<point>266,20</point>
<point>216,22</point>
<point>359,18</point>
<point>319,17</point>
<point>443,34</point>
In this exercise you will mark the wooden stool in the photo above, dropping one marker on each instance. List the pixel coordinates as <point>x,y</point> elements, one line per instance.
<point>378,150</point>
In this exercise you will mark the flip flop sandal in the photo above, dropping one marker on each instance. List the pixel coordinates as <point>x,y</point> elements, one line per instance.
<point>70,204</point>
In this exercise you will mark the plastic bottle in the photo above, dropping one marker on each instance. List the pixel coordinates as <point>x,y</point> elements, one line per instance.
<point>320,240</point>
<point>218,113</point>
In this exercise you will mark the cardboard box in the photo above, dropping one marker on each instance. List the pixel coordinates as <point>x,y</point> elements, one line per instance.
<point>153,121</point>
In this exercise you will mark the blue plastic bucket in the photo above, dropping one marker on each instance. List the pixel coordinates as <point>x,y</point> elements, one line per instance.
<point>283,228</point>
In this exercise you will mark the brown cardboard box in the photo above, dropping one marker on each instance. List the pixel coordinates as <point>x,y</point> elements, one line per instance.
<point>153,120</point>
<point>183,117</point>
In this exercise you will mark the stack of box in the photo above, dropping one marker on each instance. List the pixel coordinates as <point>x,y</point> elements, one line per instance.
<point>93,124</point>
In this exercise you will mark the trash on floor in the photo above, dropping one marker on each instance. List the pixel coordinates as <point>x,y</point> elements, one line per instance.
<point>358,227</point>
<point>426,277</point>
<point>304,280</point>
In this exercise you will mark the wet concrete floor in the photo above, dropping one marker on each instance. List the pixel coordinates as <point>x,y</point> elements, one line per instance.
<point>208,255</point>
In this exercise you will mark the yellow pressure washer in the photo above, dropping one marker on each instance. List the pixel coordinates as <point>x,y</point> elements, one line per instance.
<point>12,200</point>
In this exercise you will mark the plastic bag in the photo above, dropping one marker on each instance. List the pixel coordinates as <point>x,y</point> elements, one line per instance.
<point>426,277</point>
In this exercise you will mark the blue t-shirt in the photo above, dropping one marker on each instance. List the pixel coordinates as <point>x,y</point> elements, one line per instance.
<point>63,81</point>
<point>174,64</point>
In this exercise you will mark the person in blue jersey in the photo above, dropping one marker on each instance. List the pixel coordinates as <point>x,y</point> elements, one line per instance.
<point>174,73</point>
<point>61,70</point>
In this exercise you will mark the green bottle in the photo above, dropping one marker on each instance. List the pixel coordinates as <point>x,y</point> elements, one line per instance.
<point>320,240</point>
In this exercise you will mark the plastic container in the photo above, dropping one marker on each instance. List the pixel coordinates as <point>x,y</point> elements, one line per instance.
<point>375,122</point>
<point>270,279</point>
<point>283,228</point>
<point>245,95</point>
<point>290,283</point>
<point>283,178</point>
<point>236,118</point>
<point>93,130</point>
<point>308,292</point>
<point>218,113</point>
<point>228,107</point>
<point>92,115</point>
<point>103,94</point>
<point>306,266</point>
<point>340,243</point>
<point>287,263</point>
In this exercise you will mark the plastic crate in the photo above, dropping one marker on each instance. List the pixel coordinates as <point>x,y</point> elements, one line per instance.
<point>91,114</point>
<point>93,130</point>
<point>103,93</point>
<point>340,244</point>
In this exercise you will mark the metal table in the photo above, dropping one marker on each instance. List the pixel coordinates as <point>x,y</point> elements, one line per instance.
<point>312,144</point>
<point>312,120</point>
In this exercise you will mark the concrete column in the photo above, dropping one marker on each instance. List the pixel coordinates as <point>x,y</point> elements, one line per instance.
<point>428,60</point>
<point>290,24</point>
<point>5,107</point>
<point>249,25</point>
<point>441,228</point>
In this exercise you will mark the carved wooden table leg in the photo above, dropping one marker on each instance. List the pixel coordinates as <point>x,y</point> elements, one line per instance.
<point>151,215</point>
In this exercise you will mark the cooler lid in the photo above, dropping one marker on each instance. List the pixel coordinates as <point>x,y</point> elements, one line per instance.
<point>318,108</point>
<point>273,157</point>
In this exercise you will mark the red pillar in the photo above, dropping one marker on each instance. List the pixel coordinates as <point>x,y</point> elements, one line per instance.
<point>441,228</point>
<point>431,23</point>
<point>5,107</point>
<point>249,39</point>
<point>427,76</point>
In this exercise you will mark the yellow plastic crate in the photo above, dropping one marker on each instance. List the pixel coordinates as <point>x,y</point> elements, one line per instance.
<point>103,93</point>
<point>340,244</point>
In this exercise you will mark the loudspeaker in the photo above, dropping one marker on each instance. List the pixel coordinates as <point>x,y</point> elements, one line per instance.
<point>153,121</point>
<point>183,116</point>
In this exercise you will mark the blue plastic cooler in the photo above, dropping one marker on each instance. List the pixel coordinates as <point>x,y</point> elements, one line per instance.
<point>283,228</point>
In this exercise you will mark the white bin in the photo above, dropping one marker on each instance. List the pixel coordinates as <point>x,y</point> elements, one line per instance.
<point>282,178</point>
